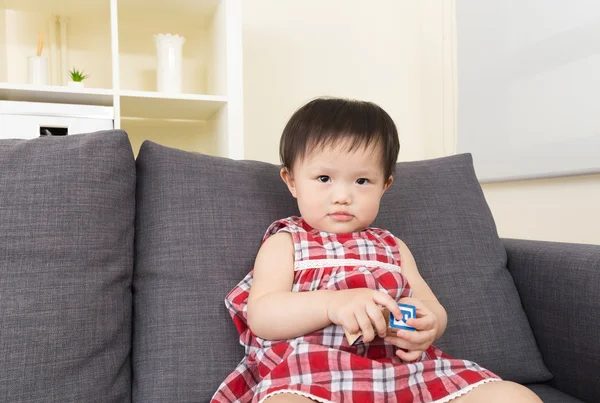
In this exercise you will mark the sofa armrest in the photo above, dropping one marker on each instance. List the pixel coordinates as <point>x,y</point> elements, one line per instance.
<point>559,286</point>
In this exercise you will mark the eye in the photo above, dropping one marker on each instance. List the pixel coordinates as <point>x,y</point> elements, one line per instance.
<point>362,181</point>
<point>323,178</point>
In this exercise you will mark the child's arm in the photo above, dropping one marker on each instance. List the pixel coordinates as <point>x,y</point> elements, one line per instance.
<point>431,318</point>
<point>421,290</point>
<point>276,313</point>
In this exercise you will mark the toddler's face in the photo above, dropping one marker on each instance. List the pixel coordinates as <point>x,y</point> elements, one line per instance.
<point>338,190</point>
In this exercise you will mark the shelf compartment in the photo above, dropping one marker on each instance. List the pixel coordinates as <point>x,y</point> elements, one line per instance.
<point>155,105</point>
<point>88,39</point>
<point>55,94</point>
<point>65,7</point>
<point>200,9</point>
<point>202,25</point>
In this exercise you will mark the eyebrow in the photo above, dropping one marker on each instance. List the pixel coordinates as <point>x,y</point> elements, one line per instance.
<point>365,172</point>
<point>360,172</point>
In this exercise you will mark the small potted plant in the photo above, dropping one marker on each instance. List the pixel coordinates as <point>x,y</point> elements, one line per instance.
<point>77,77</point>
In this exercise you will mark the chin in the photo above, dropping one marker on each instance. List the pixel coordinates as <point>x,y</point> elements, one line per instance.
<point>336,227</point>
<point>343,228</point>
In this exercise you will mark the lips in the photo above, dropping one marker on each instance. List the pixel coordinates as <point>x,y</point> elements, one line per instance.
<point>341,216</point>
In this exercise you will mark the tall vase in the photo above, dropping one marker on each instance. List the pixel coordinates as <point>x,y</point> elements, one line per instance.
<point>168,62</point>
<point>37,70</point>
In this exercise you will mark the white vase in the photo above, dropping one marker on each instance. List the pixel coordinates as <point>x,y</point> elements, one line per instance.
<point>168,62</point>
<point>75,84</point>
<point>37,70</point>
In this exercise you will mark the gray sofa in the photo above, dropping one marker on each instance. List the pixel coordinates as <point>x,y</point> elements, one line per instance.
<point>113,272</point>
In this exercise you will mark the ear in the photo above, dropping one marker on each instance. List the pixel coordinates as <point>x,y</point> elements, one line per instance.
<point>387,184</point>
<point>287,177</point>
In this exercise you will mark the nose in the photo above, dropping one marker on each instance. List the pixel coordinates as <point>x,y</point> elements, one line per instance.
<point>341,195</point>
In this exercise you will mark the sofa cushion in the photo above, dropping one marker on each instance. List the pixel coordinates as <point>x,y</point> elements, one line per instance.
<point>67,209</point>
<point>199,225</point>
<point>548,394</point>
<point>438,209</point>
<point>200,220</point>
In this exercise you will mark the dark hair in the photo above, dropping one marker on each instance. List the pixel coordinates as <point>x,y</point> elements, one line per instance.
<point>327,121</point>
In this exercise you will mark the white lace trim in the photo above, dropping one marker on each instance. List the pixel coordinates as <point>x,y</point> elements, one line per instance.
<point>321,400</point>
<point>321,263</point>
<point>465,390</point>
<point>296,392</point>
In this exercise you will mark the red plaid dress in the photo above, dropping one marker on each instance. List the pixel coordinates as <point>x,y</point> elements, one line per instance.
<point>321,365</point>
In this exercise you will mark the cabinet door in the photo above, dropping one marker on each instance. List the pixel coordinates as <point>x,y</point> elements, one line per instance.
<point>31,126</point>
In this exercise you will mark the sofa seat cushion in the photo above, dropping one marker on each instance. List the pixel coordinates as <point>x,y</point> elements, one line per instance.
<point>67,209</point>
<point>548,394</point>
<point>200,221</point>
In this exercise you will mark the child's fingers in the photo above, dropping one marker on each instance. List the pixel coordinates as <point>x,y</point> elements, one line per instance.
<point>402,343</point>
<point>409,356</point>
<point>349,323</point>
<point>426,322</point>
<point>418,340</point>
<point>366,327</point>
<point>377,319</point>
<point>388,302</point>
<point>399,343</point>
<point>421,308</point>
<point>415,337</point>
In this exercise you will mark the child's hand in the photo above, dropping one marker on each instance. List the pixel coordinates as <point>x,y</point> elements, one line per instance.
<point>411,344</point>
<point>357,309</point>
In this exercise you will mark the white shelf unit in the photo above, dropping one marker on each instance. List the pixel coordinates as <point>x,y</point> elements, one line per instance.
<point>112,40</point>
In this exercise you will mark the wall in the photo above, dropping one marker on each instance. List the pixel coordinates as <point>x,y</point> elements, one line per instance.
<point>559,209</point>
<point>528,79</point>
<point>295,50</point>
<point>399,54</point>
<point>3,66</point>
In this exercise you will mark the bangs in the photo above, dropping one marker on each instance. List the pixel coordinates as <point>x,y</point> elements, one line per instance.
<point>333,122</point>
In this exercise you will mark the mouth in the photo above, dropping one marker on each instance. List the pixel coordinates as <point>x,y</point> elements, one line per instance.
<point>341,216</point>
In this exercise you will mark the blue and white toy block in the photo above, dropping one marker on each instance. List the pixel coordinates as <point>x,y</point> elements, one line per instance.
<point>408,312</point>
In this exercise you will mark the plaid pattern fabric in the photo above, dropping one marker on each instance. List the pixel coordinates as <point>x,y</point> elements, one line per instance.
<point>322,365</point>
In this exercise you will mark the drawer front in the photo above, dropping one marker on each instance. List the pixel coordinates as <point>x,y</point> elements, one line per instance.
<point>30,126</point>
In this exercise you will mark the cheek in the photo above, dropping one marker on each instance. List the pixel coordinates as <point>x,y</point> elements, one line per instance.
<point>310,190</point>
<point>370,202</point>
<point>311,197</point>
<point>302,188</point>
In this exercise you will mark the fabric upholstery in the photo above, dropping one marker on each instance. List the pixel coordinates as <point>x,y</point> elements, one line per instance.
<point>200,220</point>
<point>66,262</point>
<point>438,209</point>
<point>550,395</point>
<point>559,285</point>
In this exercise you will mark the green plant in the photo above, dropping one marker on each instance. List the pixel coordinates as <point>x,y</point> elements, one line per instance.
<point>77,75</point>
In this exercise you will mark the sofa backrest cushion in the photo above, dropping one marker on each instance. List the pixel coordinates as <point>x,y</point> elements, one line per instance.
<point>200,220</point>
<point>199,225</point>
<point>437,207</point>
<point>67,209</point>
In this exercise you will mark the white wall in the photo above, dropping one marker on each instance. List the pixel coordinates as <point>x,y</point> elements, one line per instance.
<point>3,66</point>
<point>399,54</point>
<point>528,79</point>
<point>295,50</point>
<point>560,209</point>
